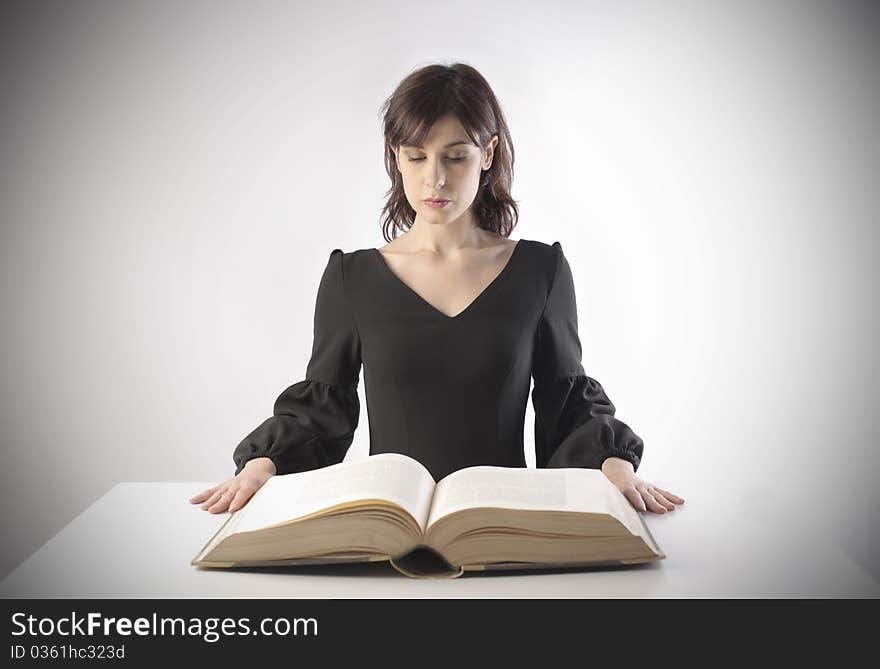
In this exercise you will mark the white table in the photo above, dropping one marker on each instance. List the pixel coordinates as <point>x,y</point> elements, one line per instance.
<point>138,539</point>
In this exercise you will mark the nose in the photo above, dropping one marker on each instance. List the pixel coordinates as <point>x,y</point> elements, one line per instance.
<point>436,175</point>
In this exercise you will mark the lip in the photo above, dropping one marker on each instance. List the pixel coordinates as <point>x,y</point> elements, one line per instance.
<point>436,204</point>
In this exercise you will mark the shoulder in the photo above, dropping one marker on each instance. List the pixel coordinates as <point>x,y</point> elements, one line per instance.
<point>348,264</point>
<point>542,255</point>
<point>545,257</point>
<point>547,251</point>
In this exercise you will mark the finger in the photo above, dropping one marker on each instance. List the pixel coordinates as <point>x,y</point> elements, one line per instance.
<point>241,498</point>
<point>221,504</point>
<point>213,498</point>
<point>652,503</point>
<point>202,495</point>
<point>662,500</point>
<point>670,496</point>
<point>635,499</point>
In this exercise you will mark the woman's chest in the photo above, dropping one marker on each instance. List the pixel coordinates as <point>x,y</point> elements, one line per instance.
<point>448,287</point>
<point>403,336</point>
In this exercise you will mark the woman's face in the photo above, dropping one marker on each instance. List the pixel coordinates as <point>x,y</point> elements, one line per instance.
<point>449,167</point>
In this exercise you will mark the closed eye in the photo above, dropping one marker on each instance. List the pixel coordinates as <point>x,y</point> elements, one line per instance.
<point>415,160</point>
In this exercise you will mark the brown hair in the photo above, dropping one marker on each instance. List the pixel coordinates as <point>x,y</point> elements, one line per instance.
<point>422,98</point>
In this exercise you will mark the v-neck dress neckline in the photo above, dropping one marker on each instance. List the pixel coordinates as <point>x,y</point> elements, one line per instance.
<point>473,303</point>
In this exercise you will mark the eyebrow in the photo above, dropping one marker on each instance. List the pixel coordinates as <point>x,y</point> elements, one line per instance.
<point>415,146</point>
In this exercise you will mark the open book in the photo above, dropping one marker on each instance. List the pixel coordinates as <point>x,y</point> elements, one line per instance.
<point>387,507</point>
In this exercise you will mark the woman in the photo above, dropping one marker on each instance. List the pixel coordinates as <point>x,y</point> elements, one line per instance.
<point>451,321</point>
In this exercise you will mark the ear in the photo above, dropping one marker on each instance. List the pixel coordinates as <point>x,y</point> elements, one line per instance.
<point>490,151</point>
<point>396,157</point>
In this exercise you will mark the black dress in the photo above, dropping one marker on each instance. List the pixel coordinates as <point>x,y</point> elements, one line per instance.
<point>449,391</point>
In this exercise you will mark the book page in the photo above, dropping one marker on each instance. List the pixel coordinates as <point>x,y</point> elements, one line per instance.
<point>388,476</point>
<point>563,489</point>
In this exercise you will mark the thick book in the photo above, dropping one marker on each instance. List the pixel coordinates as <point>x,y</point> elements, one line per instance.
<point>387,507</point>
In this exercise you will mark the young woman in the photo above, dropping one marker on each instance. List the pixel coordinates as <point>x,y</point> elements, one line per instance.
<point>451,320</point>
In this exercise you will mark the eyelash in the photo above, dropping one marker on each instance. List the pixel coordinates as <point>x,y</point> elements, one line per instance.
<point>415,160</point>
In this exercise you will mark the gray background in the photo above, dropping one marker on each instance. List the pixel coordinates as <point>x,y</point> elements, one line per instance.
<point>174,176</point>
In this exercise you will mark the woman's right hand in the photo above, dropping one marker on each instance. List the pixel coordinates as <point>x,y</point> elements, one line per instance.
<point>235,492</point>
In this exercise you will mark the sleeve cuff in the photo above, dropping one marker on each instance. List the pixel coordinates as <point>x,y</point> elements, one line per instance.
<point>629,456</point>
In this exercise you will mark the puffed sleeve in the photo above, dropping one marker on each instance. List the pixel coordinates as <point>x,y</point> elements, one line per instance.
<point>314,420</point>
<point>574,418</point>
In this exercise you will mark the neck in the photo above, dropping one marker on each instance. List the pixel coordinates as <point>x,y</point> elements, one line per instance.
<point>444,238</point>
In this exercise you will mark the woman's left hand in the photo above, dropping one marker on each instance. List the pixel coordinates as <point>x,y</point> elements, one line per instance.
<point>641,494</point>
